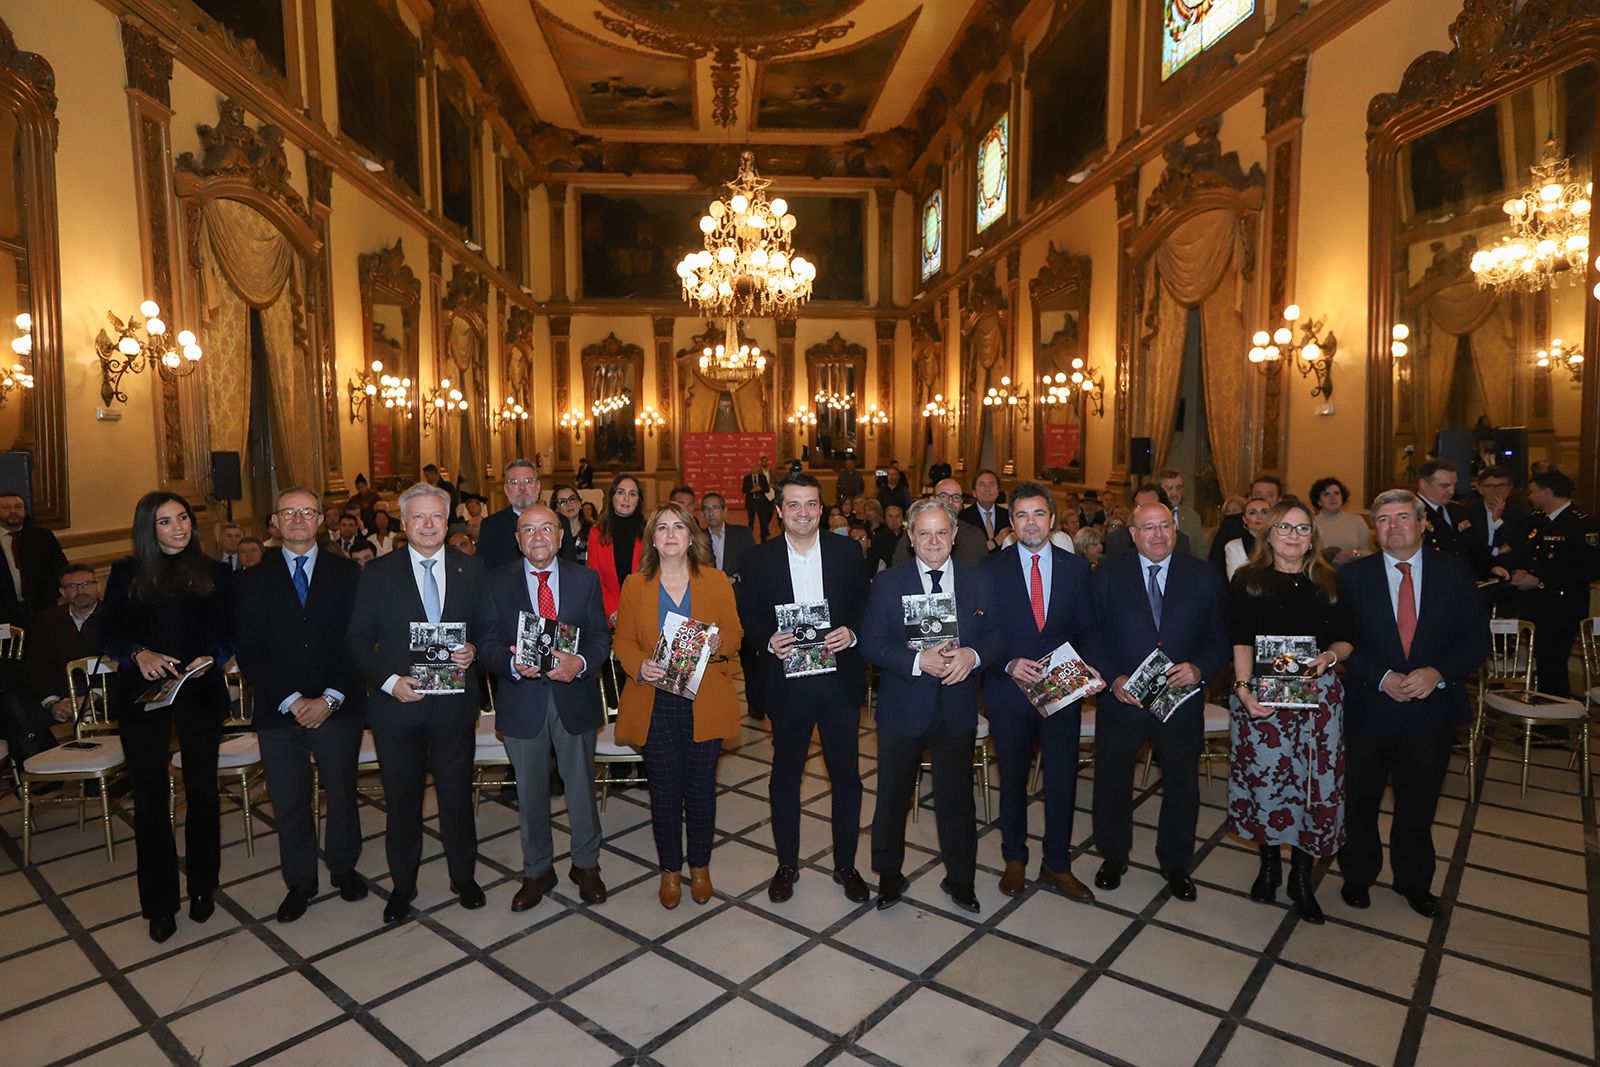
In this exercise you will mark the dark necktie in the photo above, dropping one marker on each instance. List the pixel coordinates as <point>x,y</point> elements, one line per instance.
<point>934,576</point>
<point>302,584</point>
<point>1155,595</point>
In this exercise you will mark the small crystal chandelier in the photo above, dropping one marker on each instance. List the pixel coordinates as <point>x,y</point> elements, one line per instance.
<point>1548,240</point>
<point>1559,354</point>
<point>730,365</point>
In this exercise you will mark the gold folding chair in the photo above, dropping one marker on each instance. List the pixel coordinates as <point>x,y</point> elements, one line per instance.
<point>1505,690</point>
<point>490,762</point>
<point>238,755</point>
<point>980,769</point>
<point>1216,729</point>
<point>94,754</point>
<point>607,753</point>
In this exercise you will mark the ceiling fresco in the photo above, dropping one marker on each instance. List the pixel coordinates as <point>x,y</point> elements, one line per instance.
<point>832,91</point>
<point>612,87</point>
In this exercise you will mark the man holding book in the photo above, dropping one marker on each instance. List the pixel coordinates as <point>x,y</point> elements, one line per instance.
<point>800,601</point>
<point>1041,604</point>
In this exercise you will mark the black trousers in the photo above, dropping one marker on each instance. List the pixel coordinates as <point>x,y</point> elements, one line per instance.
<point>1014,734</point>
<point>840,731</point>
<point>1178,743</point>
<point>1414,763</point>
<point>286,754</point>
<point>759,509</point>
<point>1553,648</point>
<point>954,809</point>
<point>147,743</point>
<point>443,742</point>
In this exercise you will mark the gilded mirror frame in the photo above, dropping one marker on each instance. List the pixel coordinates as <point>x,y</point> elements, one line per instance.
<point>1062,283</point>
<point>609,350</point>
<point>836,351</point>
<point>465,300</point>
<point>385,278</point>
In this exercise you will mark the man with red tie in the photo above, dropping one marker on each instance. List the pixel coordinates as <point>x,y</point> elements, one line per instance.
<point>1419,630</point>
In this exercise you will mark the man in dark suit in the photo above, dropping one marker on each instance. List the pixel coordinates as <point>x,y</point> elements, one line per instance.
<point>291,614</point>
<point>497,533</point>
<point>928,700</point>
<point>986,513</point>
<point>33,560</point>
<point>60,635</point>
<point>348,533</point>
<point>1041,599</point>
<point>1153,596</point>
<point>1119,542</point>
<point>850,481</point>
<point>431,475</point>
<point>584,476</point>
<point>729,544</point>
<point>1495,527</point>
<point>757,490</point>
<point>971,549</point>
<point>1264,487</point>
<point>1419,629</point>
<point>414,731</point>
<point>229,536</point>
<point>802,567</point>
<point>1445,527</point>
<point>560,709</point>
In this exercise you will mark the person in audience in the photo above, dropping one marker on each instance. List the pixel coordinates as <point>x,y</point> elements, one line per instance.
<point>169,611</point>
<point>1233,505</point>
<point>250,552</point>
<point>432,476</point>
<point>33,562</point>
<point>850,481</point>
<point>1041,600</point>
<point>802,567</point>
<point>938,470</point>
<point>969,549</point>
<point>928,701</point>
<point>587,510</point>
<point>1090,544</point>
<point>1066,532</point>
<point>349,532</point>
<point>1344,535</point>
<point>894,493</point>
<point>1443,528</point>
<point>1496,528</point>
<point>1119,542</point>
<point>497,536</point>
<point>474,519</point>
<point>1094,512</point>
<point>1237,551</point>
<point>330,525</point>
<point>757,490</point>
<point>60,635</point>
<point>1266,487</point>
<point>617,540</point>
<point>229,534</point>
<point>881,537</point>
<point>838,524</point>
<point>985,512</point>
<point>1285,780</point>
<point>364,501</point>
<point>539,711</point>
<point>568,505</point>
<point>729,544</point>
<point>461,541</point>
<point>418,731</point>
<point>290,618</point>
<point>683,495</point>
<point>1170,479</point>
<point>583,477</point>
<point>1419,631</point>
<point>682,736</point>
<point>363,553</point>
<point>1153,597</point>
<point>383,533</point>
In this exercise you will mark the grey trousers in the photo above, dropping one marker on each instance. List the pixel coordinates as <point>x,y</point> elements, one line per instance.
<point>574,753</point>
<point>286,753</point>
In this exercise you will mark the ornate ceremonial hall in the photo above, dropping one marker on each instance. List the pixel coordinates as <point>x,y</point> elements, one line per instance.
<point>1241,256</point>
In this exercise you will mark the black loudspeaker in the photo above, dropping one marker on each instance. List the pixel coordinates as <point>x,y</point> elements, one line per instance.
<point>16,476</point>
<point>1139,461</point>
<point>225,476</point>
<point>1457,446</point>
<point>1511,450</point>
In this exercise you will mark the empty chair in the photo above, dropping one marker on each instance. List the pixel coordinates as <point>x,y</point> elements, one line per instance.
<point>94,754</point>
<point>1505,690</point>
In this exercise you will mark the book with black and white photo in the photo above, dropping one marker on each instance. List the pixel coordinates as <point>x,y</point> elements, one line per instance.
<point>1150,686</point>
<point>539,639</point>
<point>432,670</point>
<point>683,652</point>
<point>930,620</point>
<point>1284,675</point>
<point>1066,678</point>
<point>810,624</point>
<point>165,691</point>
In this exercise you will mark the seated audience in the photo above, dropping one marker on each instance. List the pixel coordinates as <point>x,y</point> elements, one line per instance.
<point>1343,535</point>
<point>1238,550</point>
<point>250,550</point>
<point>62,634</point>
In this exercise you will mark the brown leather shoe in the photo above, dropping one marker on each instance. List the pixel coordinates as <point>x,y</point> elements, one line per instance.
<point>533,891</point>
<point>1068,883</point>
<point>700,884</point>
<point>591,890</point>
<point>671,889</point>
<point>1015,880</point>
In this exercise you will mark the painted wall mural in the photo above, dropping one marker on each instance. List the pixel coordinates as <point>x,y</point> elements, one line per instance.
<point>617,87</point>
<point>835,91</point>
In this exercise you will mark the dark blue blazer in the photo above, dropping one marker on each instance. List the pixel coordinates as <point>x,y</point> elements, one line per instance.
<point>497,539</point>
<point>1192,626</point>
<point>520,702</point>
<point>764,583</point>
<point>1068,616</point>
<point>1452,637</point>
<point>907,704</point>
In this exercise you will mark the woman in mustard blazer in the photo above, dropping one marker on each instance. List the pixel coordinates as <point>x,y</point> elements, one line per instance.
<point>681,739</point>
<point>615,541</point>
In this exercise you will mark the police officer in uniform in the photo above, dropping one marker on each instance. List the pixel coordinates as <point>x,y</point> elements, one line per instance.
<point>1444,528</point>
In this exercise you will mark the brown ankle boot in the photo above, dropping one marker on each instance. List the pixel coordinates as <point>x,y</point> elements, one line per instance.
<point>700,884</point>
<point>671,889</point>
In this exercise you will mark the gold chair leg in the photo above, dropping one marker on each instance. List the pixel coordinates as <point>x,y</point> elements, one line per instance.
<point>605,786</point>
<point>1527,754</point>
<point>316,802</point>
<point>916,792</point>
<point>249,830</point>
<point>983,754</point>
<point>27,823</point>
<point>1149,757</point>
<point>172,802</point>
<point>105,815</point>
<point>83,799</point>
<point>1038,771</point>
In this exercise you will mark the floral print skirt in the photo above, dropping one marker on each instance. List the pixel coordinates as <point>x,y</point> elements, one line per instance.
<point>1286,774</point>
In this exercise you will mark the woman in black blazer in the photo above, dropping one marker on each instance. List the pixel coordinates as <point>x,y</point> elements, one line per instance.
<point>167,607</point>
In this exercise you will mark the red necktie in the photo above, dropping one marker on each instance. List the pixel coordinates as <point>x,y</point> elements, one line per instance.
<point>547,599</point>
<point>1036,594</point>
<point>1405,613</point>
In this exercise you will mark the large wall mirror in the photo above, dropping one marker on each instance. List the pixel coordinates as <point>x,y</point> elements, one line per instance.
<point>1460,179</point>
<point>836,371</point>
<point>1059,294</point>
<point>391,295</point>
<point>613,372</point>
<point>464,361</point>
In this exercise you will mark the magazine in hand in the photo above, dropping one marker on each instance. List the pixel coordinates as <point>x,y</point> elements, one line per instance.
<point>432,672</point>
<point>539,639</point>
<point>930,620</point>
<point>1066,678</point>
<point>1283,673</point>
<point>1149,685</point>
<point>683,651</point>
<point>810,624</point>
<point>165,691</point>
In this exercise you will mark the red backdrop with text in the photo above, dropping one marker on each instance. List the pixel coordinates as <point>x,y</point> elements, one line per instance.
<point>1061,442</point>
<point>720,461</point>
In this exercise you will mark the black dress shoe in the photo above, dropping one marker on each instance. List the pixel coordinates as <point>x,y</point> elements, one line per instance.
<point>1422,902</point>
<point>781,888</point>
<point>351,885</point>
<point>1109,876</point>
<point>1356,896</point>
<point>470,893</point>
<point>294,903</point>
<point>1300,888</point>
<point>855,887</point>
<point>201,905</point>
<point>964,895</point>
<point>891,887</point>
<point>1179,883</point>
<point>163,928</point>
<point>399,904</point>
<point>1264,890</point>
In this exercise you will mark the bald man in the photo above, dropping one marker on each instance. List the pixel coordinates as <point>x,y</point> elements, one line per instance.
<point>971,547</point>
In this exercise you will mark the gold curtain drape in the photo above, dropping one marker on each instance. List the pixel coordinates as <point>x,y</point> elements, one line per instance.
<point>1460,310</point>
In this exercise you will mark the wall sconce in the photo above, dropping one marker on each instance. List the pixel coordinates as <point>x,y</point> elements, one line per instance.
<point>834,401</point>
<point>362,389</point>
<point>442,399</point>
<point>1312,355</point>
<point>1557,354</point>
<point>650,419</point>
<point>872,418</point>
<point>803,417</point>
<point>1003,397</point>
<point>612,403</point>
<point>575,422</point>
<point>935,408</point>
<point>1057,388</point>
<point>19,375</point>
<point>510,414</point>
<point>1399,336</point>
<point>129,353</point>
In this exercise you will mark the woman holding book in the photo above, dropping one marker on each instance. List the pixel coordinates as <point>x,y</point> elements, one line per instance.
<point>681,734</point>
<point>614,541</point>
<point>1286,768</point>
<point>168,611</point>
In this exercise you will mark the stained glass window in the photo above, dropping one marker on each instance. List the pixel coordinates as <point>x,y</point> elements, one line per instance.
<point>1192,26</point>
<point>932,234</point>
<point>994,157</point>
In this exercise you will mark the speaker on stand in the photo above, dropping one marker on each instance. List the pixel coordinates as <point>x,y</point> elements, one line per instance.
<point>225,483</point>
<point>1140,461</point>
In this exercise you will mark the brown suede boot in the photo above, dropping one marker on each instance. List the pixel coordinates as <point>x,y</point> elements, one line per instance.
<point>671,889</point>
<point>700,884</point>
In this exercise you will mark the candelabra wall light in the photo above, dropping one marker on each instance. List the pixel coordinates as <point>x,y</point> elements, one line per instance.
<point>834,401</point>
<point>1312,355</point>
<point>1561,355</point>
<point>803,416</point>
<point>649,420</point>
<point>373,386</point>
<point>872,418</point>
<point>611,403</point>
<point>443,399</point>
<point>574,422</point>
<point>1057,388</point>
<point>1399,336</point>
<point>936,408</point>
<point>511,413</point>
<point>1005,397</point>
<point>19,376</point>
<point>140,343</point>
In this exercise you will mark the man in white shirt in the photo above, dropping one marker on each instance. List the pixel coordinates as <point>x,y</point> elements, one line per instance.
<point>987,513</point>
<point>729,544</point>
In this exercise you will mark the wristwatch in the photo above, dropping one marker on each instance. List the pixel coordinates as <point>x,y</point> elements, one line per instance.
<point>334,703</point>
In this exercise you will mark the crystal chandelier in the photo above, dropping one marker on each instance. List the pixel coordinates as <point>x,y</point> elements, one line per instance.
<point>726,364</point>
<point>748,268</point>
<point>1549,231</point>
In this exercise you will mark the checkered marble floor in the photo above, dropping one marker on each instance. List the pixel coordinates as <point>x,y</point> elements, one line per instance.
<point>1504,976</point>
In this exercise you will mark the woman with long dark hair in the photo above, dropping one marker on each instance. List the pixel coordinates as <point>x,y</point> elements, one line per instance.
<point>615,541</point>
<point>167,608</point>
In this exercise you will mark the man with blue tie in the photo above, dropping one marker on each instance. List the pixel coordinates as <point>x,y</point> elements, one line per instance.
<point>1041,597</point>
<point>1153,597</point>
<point>1419,629</point>
<point>928,700</point>
<point>559,709</point>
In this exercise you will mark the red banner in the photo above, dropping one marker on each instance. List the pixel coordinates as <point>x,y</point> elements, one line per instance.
<point>382,451</point>
<point>719,461</point>
<point>1061,443</point>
